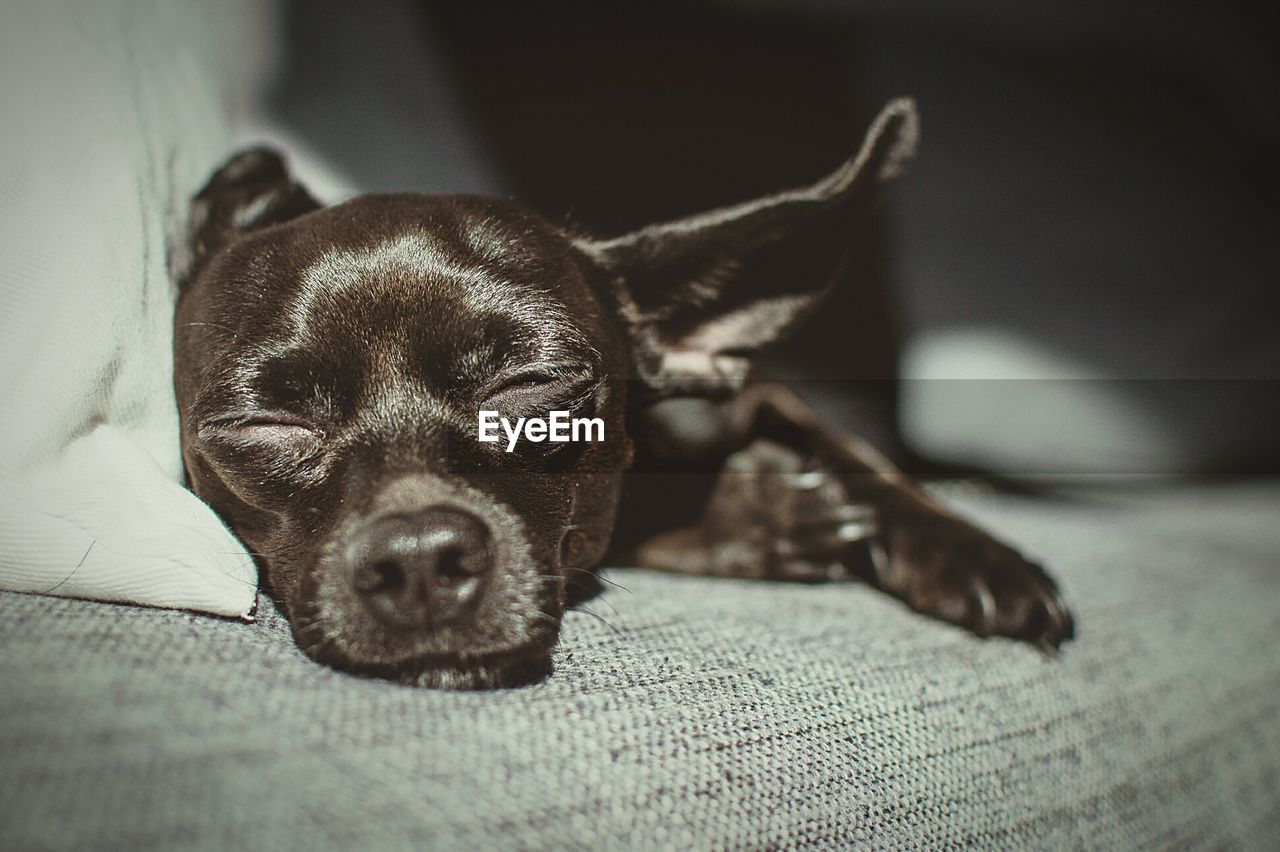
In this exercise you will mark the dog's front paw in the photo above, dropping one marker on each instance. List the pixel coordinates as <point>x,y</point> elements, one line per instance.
<point>774,517</point>
<point>952,570</point>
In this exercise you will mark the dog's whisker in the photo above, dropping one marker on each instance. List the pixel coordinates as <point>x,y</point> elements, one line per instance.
<point>598,617</point>
<point>599,576</point>
<point>248,583</point>
<point>74,570</point>
<point>554,577</point>
<point>612,583</point>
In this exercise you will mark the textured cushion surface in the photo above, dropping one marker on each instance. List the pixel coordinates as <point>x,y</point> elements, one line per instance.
<point>709,714</point>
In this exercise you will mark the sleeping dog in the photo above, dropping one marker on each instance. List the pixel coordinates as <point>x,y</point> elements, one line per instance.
<point>342,371</point>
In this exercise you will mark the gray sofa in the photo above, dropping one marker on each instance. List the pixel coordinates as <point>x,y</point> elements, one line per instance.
<point>703,714</point>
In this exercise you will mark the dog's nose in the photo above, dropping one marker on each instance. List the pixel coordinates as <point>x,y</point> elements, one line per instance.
<point>423,569</point>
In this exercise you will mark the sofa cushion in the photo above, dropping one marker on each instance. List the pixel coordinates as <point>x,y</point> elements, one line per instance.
<point>705,714</point>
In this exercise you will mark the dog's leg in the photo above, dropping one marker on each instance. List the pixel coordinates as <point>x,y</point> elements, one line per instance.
<point>796,500</point>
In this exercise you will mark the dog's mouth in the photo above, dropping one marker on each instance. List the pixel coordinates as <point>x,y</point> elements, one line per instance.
<point>343,640</point>
<point>523,665</point>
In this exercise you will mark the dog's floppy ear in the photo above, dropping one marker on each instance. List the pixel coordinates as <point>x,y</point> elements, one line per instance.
<point>700,295</point>
<point>251,190</point>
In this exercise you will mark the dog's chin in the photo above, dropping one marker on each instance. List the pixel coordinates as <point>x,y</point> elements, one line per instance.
<point>526,660</point>
<point>520,666</point>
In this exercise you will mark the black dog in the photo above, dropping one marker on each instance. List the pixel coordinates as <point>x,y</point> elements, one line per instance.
<point>331,364</point>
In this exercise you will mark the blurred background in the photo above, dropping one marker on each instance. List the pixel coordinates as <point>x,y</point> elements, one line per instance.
<point>1079,274</point>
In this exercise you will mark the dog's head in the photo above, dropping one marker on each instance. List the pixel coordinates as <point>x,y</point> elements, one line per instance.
<point>332,363</point>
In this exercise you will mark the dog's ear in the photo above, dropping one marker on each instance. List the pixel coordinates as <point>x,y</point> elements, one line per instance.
<point>251,190</point>
<point>700,295</point>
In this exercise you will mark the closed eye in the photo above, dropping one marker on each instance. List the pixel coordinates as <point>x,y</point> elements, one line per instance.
<point>521,382</point>
<point>538,385</point>
<point>261,428</point>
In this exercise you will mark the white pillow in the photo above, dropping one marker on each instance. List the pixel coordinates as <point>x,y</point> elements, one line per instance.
<point>115,113</point>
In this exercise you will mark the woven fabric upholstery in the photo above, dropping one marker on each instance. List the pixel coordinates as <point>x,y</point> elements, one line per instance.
<point>711,714</point>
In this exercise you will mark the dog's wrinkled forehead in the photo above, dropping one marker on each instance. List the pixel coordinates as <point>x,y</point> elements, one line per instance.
<point>375,284</point>
<point>484,280</point>
<point>403,274</point>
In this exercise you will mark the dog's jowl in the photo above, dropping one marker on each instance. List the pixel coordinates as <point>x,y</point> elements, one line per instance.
<point>341,370</point>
